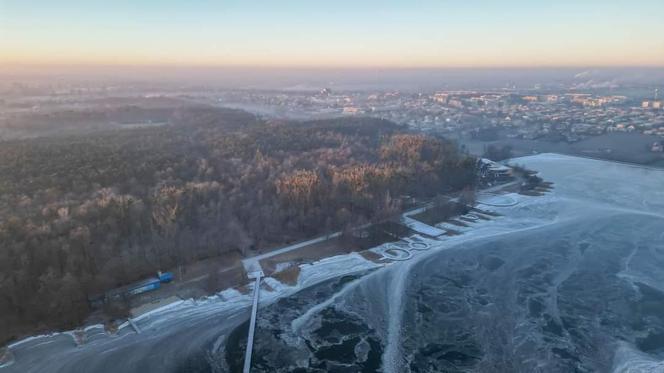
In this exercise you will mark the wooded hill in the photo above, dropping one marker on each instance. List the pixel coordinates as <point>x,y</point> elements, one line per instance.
<point>83,214</point>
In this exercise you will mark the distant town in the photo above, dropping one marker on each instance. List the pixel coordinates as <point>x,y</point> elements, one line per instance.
<point>568,117</point>
<point>563,116</point>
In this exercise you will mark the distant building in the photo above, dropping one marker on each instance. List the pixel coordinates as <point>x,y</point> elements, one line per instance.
<point>578,98</point>
<point>493,171</point>
<point>455,103</point>
<point>441,97</point>
<point>351,110</point>
<point>656,103</point>
<point>325,92</point>
<point>652,104</point>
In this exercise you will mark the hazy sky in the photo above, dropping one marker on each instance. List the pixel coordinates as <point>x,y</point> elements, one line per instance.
<point>339,33</point>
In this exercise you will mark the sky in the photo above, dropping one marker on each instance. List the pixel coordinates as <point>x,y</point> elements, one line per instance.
<point>339,33</point>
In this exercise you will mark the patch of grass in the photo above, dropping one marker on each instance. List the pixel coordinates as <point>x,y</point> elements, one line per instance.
<point>243,289</point>
<point>110,327</point>
<point>440,213</point>
<point>485,212</point>
<point>288,276</point>
<point>532,193</point>
<point>452,232</point>
<point>370,255</point>
<point>456,222</point>
<point>378,234</point>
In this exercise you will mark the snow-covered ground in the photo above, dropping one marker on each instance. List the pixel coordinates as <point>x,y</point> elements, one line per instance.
<point>422,228</point>
<point>58,352</point>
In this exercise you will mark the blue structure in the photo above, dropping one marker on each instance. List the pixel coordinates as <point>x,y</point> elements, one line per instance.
<point>165,277</point>
<point>143,286</point>
<point>149,284</point>
<point>136,288</point>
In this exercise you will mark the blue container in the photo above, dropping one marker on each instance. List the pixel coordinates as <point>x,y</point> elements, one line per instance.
<point>144,286</point>
<point>166,277</point>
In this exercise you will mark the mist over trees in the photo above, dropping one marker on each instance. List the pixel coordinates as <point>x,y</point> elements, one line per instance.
<point>83,214</point>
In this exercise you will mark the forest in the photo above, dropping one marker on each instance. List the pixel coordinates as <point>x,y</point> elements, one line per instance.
<point>86,213</point>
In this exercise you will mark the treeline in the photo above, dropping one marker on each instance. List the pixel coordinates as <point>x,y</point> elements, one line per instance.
<point>51,119</point>
<point>80,215</point>
<point>498,153</point>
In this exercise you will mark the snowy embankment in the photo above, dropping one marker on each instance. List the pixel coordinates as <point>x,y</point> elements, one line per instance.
<point>310,274</point>
<point>226,300</point>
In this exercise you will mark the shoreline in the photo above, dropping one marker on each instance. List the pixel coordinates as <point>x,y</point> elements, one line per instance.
<point>232,300</point>
<point>232,293</point>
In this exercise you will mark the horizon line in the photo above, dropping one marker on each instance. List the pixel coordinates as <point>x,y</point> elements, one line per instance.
<point>324,67</point>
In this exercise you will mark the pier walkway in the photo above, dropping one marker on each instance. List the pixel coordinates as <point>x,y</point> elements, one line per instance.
<point>252,322</point>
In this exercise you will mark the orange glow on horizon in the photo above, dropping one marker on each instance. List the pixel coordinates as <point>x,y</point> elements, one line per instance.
<point>23,58</point>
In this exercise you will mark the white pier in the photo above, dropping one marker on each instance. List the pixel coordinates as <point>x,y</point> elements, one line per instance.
<point>252,322</point>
